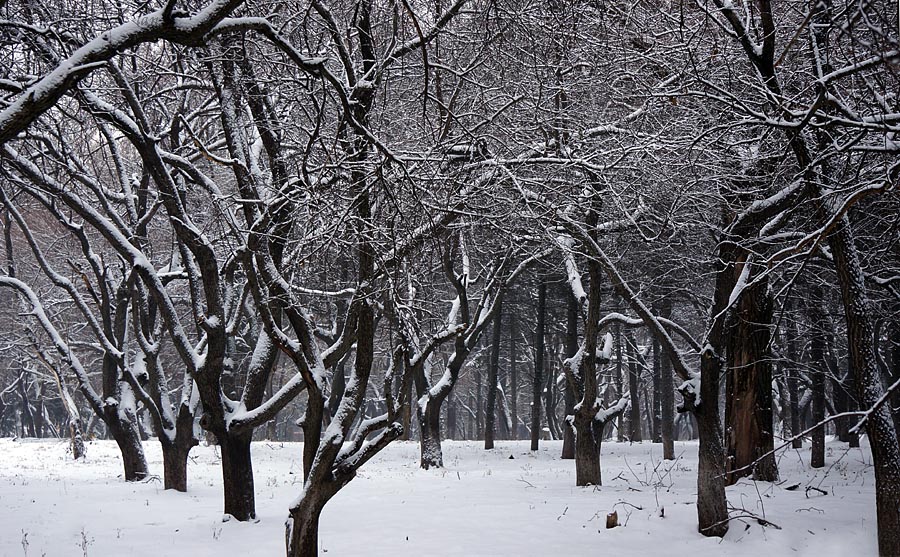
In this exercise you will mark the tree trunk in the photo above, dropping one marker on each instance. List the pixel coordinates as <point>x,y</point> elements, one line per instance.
<point>587,451</point>
<point>538,382</point>
<point>493,367</point>
<point>237,476</point>
<point>617,381</point>
<point>174,467</point>
<point>748,390</point>
<point>793,387</point>
<point>513,382</point>
<point>303,528</point>
<point>817,374</point>
<point>667,393</point>
<point>656,422</point>
<point>124,431</point>
<point>633,388</point>
<point>430,440</point>
<point>175,452</point>
<point>712,511</point>
<point>26,416</point>
<point>869,388</point>
<point>77,438</point>
<point>568,448</point>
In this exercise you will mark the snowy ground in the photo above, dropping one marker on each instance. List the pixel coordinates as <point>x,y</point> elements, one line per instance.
<point>483,503</point>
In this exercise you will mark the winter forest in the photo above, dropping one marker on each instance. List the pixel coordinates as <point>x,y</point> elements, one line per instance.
<point>457,277</point>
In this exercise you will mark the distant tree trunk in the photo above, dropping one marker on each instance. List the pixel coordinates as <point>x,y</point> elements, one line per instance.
<point>452,429</point>
<point>656,421</point>
<point>667,393</point>
<point>26,416</point>
<point>793,385</point>
<point>617,381</point>
<point>538,382</point>
<point>39,413</point>
<point>748,388</point>
<point>406,418</point>
<point>817,374</point>
<point>513,381</point>
<point>479,402</point>
<point>568,448</point>
<point>77,436</point>
<point>633,388</point>
<point>493,367</point>
<point>550,405</point>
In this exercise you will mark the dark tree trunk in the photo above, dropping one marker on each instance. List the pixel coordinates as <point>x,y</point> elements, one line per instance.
<point>174,467</point>
<point>406,418</point>
<point>128,439</point>
<point>304,541</point>
<point>493,367</point>
<point>237,476</point>
<point>712,511</point>
<point>817,374</point>
<point>479,403</point>
<point>550,405</point>
<point>748,389</point>
<point>513,381</point>
<point>39,413</point>
<point>587,451</point>
<point>634,389</point>
<point>869,388</point>
<point>568,448</point>
<point>452,428</point>
<point>77,435</point>
<point>667,393</point>
<point>657,391</point>
<point>617,381</point>
<point>26,416</point>
<point>430,441</point>
<point>538,382</point>
<point>176,451</point>
<point>793,386</point>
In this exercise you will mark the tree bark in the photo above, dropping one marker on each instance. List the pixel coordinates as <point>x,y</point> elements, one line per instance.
<point>121,423</point>
<point>237,476</point>
<point>793,386</point>
<point>869,388</point>
<point>656,421</point>
<point>538,382</point>
<point>493,367</point>
<point>587,451</point>
<point>748,398</point>
<point>568,448</point>
<point>817,374</point>
<point>513,382</point>
<point>430,440</point>
<point>712,511</point>
<point>636,435</point>
<point>667,393</point>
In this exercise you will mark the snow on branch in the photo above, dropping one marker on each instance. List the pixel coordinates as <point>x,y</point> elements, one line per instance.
<point>45,92</point>
<point>603,416</point>
<point>37,310</point>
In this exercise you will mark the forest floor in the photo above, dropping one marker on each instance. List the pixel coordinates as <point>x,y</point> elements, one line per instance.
<point>482,503</point>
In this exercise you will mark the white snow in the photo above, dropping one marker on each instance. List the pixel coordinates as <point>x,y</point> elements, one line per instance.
<point>482,503</point>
